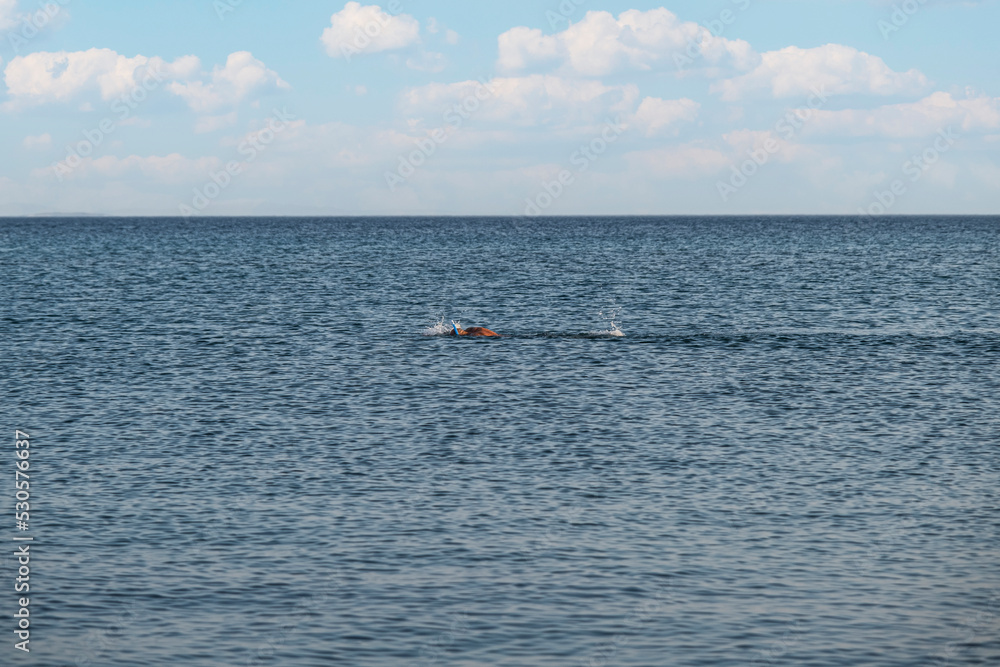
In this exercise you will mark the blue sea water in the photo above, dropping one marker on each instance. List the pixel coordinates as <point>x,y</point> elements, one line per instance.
<point>249,448</point>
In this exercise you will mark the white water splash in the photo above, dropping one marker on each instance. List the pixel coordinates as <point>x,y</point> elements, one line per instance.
<point>439,329</point>
<point>613,331</point>
<point>611,316</point>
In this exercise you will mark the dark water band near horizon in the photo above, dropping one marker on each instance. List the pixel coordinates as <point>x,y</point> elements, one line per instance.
<point>249,450</point>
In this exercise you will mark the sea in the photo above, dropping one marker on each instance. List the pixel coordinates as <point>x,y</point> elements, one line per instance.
<point>699,441</point>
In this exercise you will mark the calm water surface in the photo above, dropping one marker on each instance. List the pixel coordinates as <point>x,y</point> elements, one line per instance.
<point>247,451</point>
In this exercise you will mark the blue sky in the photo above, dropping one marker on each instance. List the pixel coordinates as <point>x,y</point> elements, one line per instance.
<point>222,107</point>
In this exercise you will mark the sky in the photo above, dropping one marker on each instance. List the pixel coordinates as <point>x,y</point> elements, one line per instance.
<point>541,107</point>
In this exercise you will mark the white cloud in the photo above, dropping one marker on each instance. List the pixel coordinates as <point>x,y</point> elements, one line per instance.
<point>434,27</point>
<point>338,145</point>
<point>835,68</point>
<point>47,77</point>
<point>654,115</point>
<point>63,77</point>
<point>914,119</point>
<point>688,160</point>
<point>600,45</point>
<point>242,76</point>
<point>170,169</point>
<point>368,29</point>
<point>9,16</point>
<point>524,101</point>
<point>697,159</point>
<point>24,25</point>
<point>42,141</point>
<point>745,142</point>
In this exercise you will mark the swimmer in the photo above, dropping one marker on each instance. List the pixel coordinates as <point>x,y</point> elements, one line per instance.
<point>472,331</point>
